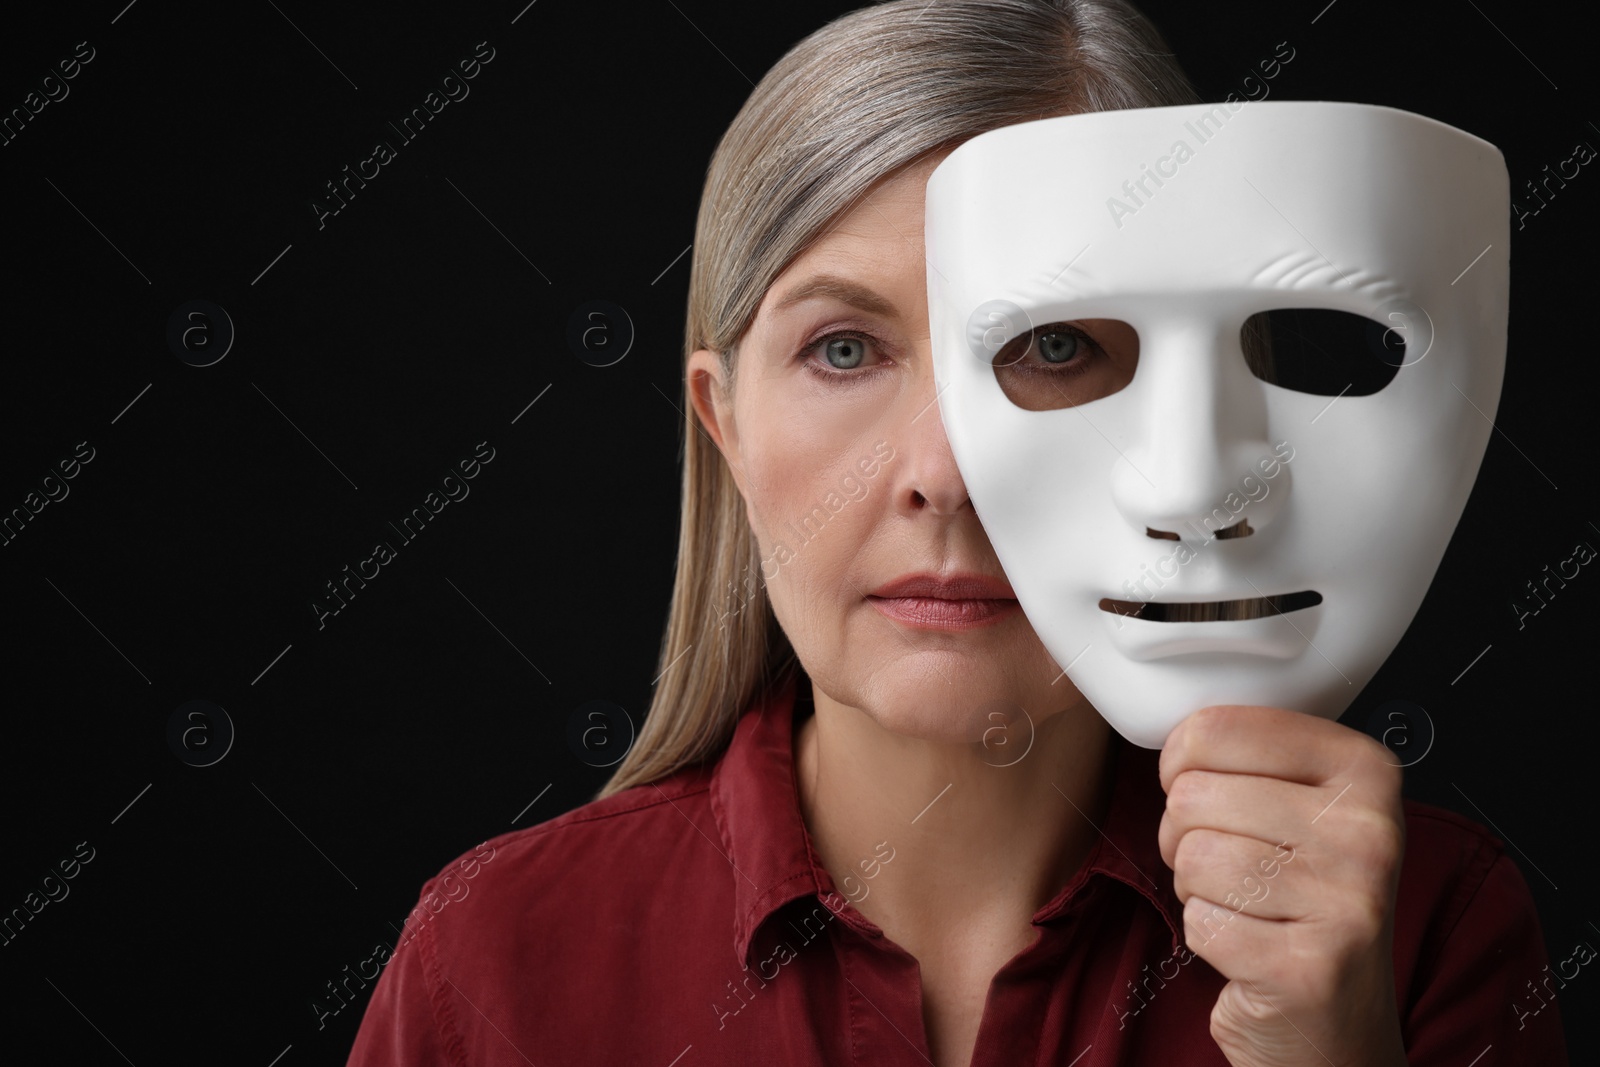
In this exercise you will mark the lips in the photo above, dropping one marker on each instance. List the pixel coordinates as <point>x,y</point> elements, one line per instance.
<point>948,587</point>
<point>947,602</point>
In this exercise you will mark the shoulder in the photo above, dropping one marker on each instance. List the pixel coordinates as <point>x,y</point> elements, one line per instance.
<point>1446,851</point>
<point>598,821</point>
<point>548,888</point>
<point>1467,940</point>
<point>1448,859</point>
<point>594,843</point>
<point>528,924</point>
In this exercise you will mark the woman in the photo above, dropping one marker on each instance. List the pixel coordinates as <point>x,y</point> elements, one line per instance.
<point>831,843</point>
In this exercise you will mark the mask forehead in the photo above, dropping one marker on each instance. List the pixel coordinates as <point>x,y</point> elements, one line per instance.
<point>1183,222</point>
<point>1274,197</point>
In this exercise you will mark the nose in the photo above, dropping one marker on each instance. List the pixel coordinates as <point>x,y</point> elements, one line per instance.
<point>1196,466</point>
<point>929,478</point>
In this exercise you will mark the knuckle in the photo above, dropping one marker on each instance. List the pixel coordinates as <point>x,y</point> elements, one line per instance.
<point>1379,840</point>
<point>1375,762</point>
<point>1360,926</point>
<point>1207,725</point>
<point>1188,796</point>
<point>1197,850</point>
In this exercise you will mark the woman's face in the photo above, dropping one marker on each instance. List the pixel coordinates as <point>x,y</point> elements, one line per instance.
<point>834,437</point>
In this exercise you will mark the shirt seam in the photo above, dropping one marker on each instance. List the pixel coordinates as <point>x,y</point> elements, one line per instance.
<point>443,1009</point>
<point>1494,855</point>
<point>841,952</point>
<point>573,819</point>
<point>1486,846</point>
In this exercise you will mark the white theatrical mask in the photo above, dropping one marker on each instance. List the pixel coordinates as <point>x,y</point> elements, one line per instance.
<point>1337,485</point>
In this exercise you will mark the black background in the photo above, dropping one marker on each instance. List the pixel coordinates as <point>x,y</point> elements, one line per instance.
<point>374,353</point>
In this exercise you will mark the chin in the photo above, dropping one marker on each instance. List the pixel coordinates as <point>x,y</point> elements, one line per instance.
<point>936,696</point>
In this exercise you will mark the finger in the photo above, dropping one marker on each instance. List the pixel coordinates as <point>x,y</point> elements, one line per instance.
<point>1272,742</point>
<point>1245,875</point>
<point>1243,946</point>
<point>1321,882</point>
<point>1283,958</point>
<point>1268,809</point>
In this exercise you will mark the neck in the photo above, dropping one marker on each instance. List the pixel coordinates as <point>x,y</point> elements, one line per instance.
<point>975,847</point>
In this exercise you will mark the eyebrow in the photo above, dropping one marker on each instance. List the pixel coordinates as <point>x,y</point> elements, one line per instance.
<point>837,288</point>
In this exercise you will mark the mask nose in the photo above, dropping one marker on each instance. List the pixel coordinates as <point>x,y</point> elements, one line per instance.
<point>1197,466</point>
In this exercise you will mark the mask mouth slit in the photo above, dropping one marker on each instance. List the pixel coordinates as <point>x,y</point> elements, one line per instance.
<point>1213,610</point>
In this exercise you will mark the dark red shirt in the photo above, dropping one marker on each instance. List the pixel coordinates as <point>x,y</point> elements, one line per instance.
<point>689,923</point>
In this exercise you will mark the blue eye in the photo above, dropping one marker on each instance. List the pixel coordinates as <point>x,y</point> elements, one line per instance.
<point>1057,346</point>
<point>844,353</point>
<point>1063,364</point>
<point>1054,349</point>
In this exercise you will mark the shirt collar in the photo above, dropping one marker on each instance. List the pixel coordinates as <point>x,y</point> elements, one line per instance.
<point>756,804</point>
<point>1127,847</point>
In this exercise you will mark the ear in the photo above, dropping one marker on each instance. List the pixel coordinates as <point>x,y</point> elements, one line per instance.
<point>713,407</point>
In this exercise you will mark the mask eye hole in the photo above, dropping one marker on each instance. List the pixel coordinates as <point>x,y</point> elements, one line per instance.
<point>1322,351</point>
<point>1064,364</point>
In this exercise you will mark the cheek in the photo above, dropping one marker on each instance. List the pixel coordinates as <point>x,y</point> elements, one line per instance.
<point>780,485</point>
<point>816,515</point>
<point>812,531</point>
<point>800,503</point>
<point>804,488</point>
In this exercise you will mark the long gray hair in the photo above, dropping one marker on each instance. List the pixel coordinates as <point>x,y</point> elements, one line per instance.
<point>870,92</point>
